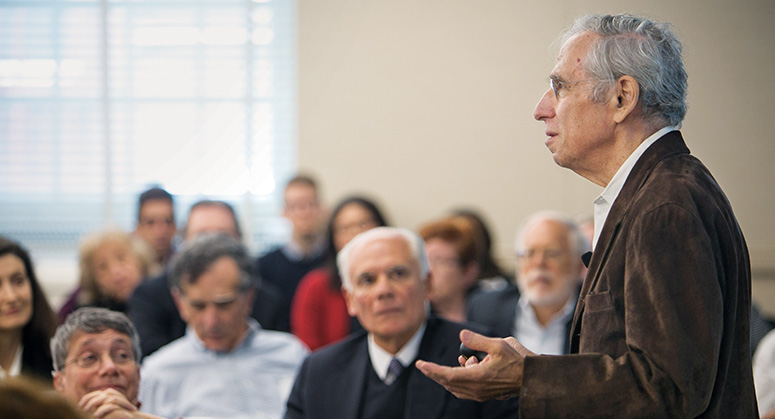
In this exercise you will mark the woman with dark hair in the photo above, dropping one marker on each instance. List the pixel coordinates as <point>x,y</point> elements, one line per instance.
<point>27,321</point>
<point>319,312</point>
<point>491,276</point>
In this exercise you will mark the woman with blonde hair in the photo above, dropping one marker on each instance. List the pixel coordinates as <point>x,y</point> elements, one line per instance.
<point>112,265</point>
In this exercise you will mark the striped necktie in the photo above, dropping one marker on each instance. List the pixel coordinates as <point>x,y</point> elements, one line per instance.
<point>394,369</point>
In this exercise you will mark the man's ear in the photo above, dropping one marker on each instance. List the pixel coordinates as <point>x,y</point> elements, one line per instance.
<point>626,95</point>
<point>428,284</point>
<point>58,380</point>
<point>178,298</point>
<point>348,297</point>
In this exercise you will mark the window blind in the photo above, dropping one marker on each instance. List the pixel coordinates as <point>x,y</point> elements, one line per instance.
<point>101,99</point>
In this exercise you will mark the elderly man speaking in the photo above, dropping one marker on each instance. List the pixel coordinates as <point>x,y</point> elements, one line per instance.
<point>661,327</point>
<point>370,375</point>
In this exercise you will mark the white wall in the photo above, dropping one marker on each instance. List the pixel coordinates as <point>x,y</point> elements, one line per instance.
<point>427,105</point>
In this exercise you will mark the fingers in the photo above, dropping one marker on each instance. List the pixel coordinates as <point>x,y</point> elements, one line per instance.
<point>101,402</point>
<point>514,343</point>
<point>479,342</point>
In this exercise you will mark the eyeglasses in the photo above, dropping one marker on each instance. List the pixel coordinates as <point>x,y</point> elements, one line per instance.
<point>557,85</point>
<point>89,360</point>
<point>355,227</point>
<point>548,254</point>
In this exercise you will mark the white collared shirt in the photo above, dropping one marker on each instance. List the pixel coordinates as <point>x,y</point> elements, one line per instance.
<point>380,358</point>
<point>16,365</point>
<point>549,340</point>
<point>606,199</point>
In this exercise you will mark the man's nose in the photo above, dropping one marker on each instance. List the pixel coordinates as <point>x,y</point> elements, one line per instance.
<point>210,316</point>
<point>383,287</point>
<point>107,366</point>
<point>545,106</point>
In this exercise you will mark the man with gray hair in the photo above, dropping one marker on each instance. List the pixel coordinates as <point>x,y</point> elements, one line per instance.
<point>226,365</point>
<point>661,326</point>
<point>95,353</point>
<point>385,278</point>
<point>538,312</point>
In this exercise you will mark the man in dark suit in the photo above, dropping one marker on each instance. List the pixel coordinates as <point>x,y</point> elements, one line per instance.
<point>540,311</point>
<point>371,375</point>
<point>661,327</point>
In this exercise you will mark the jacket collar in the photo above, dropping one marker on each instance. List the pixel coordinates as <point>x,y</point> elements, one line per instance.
<point>668,145</point>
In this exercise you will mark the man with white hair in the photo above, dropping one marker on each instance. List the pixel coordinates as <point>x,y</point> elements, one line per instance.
<point>371,374</point>
<point>539,312</point>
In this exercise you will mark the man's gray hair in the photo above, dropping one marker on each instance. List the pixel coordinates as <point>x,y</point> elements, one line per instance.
<point>576,240</point>
<point>414,241</point>
<point>198,255</point>
<point>91,320</point>
<point>646,50</point>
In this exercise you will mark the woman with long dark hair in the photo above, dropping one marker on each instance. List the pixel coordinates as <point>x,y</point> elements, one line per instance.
<point>27,321</point>
<point>319,312</point>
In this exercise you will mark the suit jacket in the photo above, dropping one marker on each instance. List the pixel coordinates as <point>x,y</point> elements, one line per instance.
<point>158,322</point>
<point>498,311</point>
<point>332,381</point>
<point>661,327</point>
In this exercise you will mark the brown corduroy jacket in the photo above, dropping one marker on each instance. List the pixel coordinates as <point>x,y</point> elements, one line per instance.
<point>661,328</point>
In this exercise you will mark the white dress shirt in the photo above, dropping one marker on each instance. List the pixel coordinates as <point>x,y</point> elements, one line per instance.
<point>380,358</point>
<point>606,199</point>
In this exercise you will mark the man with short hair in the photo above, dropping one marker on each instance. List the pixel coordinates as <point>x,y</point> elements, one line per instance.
<point>370,375</point>
<point>661,326</point>
<point>226,365</point>
<point>286,265</point>
<point>538,312</point>
<point>156,222</point>
<point>152,307</point>
<point>95,353</point>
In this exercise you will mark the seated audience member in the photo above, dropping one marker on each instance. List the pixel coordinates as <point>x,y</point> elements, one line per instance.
<point>152,307</point>
<point>491,276</point>
<point>319,313</point>
<point>226,365</point>
<point>95,355</point>
<point>452,257</point>
<point>764,376</point>
<point>26,399</point>
<point>26,319</point>
<point>156,222</point>
<point>285,266</point>
<point>549,249</point>
<point>372,374</point>
<point>112,263</point>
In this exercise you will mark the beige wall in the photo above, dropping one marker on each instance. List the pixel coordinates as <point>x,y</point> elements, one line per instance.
<point>427,105</point>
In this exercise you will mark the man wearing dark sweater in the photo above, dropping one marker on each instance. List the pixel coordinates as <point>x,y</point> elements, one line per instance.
<point>285,266</point>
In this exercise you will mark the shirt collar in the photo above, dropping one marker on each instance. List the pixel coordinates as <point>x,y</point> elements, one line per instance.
<point>380,358</point>
<point>524,309</point>
<point>606,199</point>
<point>16,365</point>
<point>253,328</point>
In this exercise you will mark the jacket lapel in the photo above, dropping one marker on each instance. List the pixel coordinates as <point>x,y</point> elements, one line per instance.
<point>670,144</point>
<point>424,397</point>
<point>348,382</point>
